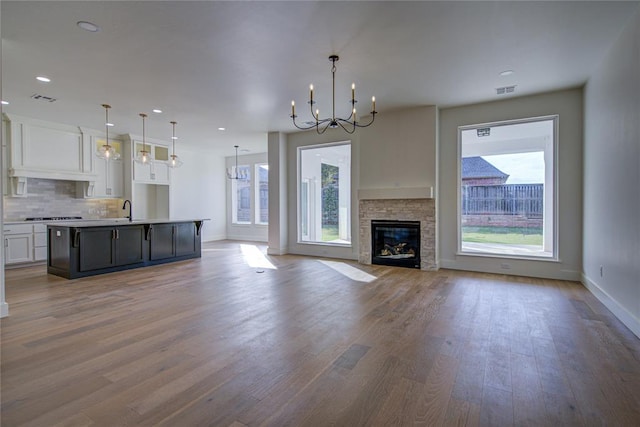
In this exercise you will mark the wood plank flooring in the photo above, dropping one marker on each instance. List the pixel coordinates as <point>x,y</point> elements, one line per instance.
<point>223,341</point>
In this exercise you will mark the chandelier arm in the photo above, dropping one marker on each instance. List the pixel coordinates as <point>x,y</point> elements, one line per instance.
<point>339,121</point>
<point>320,132</point>
<point>353,106</point>
<point>311,104</point>
<point>310,126</point>
<point>373,117</point>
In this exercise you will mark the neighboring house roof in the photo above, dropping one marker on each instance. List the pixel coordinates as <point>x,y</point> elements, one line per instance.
<point>477,167</point>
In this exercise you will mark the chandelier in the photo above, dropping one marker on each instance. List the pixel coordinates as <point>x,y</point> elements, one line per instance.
<point>349,124</point>
<point>240,175</point>
<point>175,161</point>
<point>106,151</point>
<point>143,156</point>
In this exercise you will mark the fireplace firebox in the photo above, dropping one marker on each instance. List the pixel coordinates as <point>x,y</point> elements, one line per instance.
<point>395,243</point>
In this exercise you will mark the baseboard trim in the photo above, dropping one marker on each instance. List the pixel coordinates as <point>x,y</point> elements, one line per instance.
<point>629,320</point>
<point>215,238</point>
<point>514,270</point>
<point>277,251</point>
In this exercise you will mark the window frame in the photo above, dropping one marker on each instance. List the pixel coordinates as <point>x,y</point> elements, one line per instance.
<point>235,199</point>
<point>299,186</point>
<point>555,186</point>
<point>256,193</point>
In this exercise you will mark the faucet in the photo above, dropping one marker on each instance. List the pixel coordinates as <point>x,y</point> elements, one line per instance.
<point>124,206</point>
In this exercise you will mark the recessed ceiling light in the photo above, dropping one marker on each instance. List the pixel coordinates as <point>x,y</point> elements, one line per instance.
<point>245,150</point>
<point>109,124</point>
<point>43,79</point>
<point>5,102</point>
<point>88,26</point>
<point>157,110</point>
<point>506,73</point>
<point>222,128</point>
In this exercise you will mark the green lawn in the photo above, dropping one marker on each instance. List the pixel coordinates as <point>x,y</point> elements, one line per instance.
<point>503,235</point>
<point>329,233</point>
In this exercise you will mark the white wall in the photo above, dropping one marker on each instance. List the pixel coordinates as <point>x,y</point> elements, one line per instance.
<point>198,191</point>
<point>250,232</point>
<point>399,150</point>
<point>612,178</point>
<point>568,105</point>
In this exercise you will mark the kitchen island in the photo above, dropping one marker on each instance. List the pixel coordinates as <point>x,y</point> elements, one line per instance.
<point>86,248</point>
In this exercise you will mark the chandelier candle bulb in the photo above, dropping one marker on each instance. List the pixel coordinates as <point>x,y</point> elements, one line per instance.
<point>311,94</point>
<point>293,108</point>
<point>353,92</point>
<point>373,102</point>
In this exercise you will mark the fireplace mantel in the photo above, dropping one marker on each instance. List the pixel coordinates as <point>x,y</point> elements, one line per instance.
<point>395,193</point>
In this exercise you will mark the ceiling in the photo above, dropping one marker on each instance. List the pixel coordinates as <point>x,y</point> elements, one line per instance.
<point>238,65</point>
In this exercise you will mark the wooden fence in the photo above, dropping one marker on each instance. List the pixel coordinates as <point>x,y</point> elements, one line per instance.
<point>508,199</point>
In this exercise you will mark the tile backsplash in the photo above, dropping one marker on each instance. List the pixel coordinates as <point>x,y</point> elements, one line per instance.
<point>47,197</point>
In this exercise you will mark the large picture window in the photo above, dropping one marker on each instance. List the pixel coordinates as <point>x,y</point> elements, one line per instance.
<point>507,189</point>
<point>324,194</point>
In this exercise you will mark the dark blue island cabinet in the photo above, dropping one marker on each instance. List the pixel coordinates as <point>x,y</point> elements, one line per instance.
<point>87,248</point>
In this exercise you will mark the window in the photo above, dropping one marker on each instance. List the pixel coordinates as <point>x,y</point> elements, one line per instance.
<point>507,187</point>
<point>262,193</point>
<point>324,194</point>
<point>241,195</point>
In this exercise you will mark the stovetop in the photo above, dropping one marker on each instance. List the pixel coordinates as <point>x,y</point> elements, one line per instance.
<point>52,218</point>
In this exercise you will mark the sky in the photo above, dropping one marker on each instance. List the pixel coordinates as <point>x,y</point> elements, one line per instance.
<point>524,168</point>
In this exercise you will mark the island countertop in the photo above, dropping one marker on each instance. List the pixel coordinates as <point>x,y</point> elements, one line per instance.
<point>111,222</point>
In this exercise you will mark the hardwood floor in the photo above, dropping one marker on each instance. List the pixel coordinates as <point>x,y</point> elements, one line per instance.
<point>216,341</point>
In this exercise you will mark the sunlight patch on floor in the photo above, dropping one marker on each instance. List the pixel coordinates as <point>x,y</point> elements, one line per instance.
<point>255,258</point>
<point>349,271</point>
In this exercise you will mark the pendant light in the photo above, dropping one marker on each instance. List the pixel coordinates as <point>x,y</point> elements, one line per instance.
<point>143,156</point>
<point>237,175</point>
<point>106,151</point>
<point>174,161</point>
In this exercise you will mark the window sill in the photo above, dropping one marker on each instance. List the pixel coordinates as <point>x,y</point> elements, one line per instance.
<point>508,256</point>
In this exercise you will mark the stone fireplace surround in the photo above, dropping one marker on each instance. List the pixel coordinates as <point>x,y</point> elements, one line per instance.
<point>412,209</point>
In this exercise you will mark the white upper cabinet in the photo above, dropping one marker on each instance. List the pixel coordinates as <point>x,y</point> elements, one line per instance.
<point>157,171</point>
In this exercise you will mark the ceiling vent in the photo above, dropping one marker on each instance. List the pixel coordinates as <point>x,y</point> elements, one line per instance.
<point>505,89</point>
<point>43,98</point>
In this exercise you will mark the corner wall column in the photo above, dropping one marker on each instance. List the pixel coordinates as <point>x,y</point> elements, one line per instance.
<point>277,158</point>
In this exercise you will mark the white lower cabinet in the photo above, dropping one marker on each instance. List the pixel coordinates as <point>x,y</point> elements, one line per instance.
<point>18,243</point>
<point>25,243</point>
<point>39,242</point>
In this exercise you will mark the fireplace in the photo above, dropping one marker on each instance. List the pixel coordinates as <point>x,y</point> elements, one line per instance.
<point>395,243</point>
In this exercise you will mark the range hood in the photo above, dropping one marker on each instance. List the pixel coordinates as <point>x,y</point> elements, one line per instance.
<point>39,149</point>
